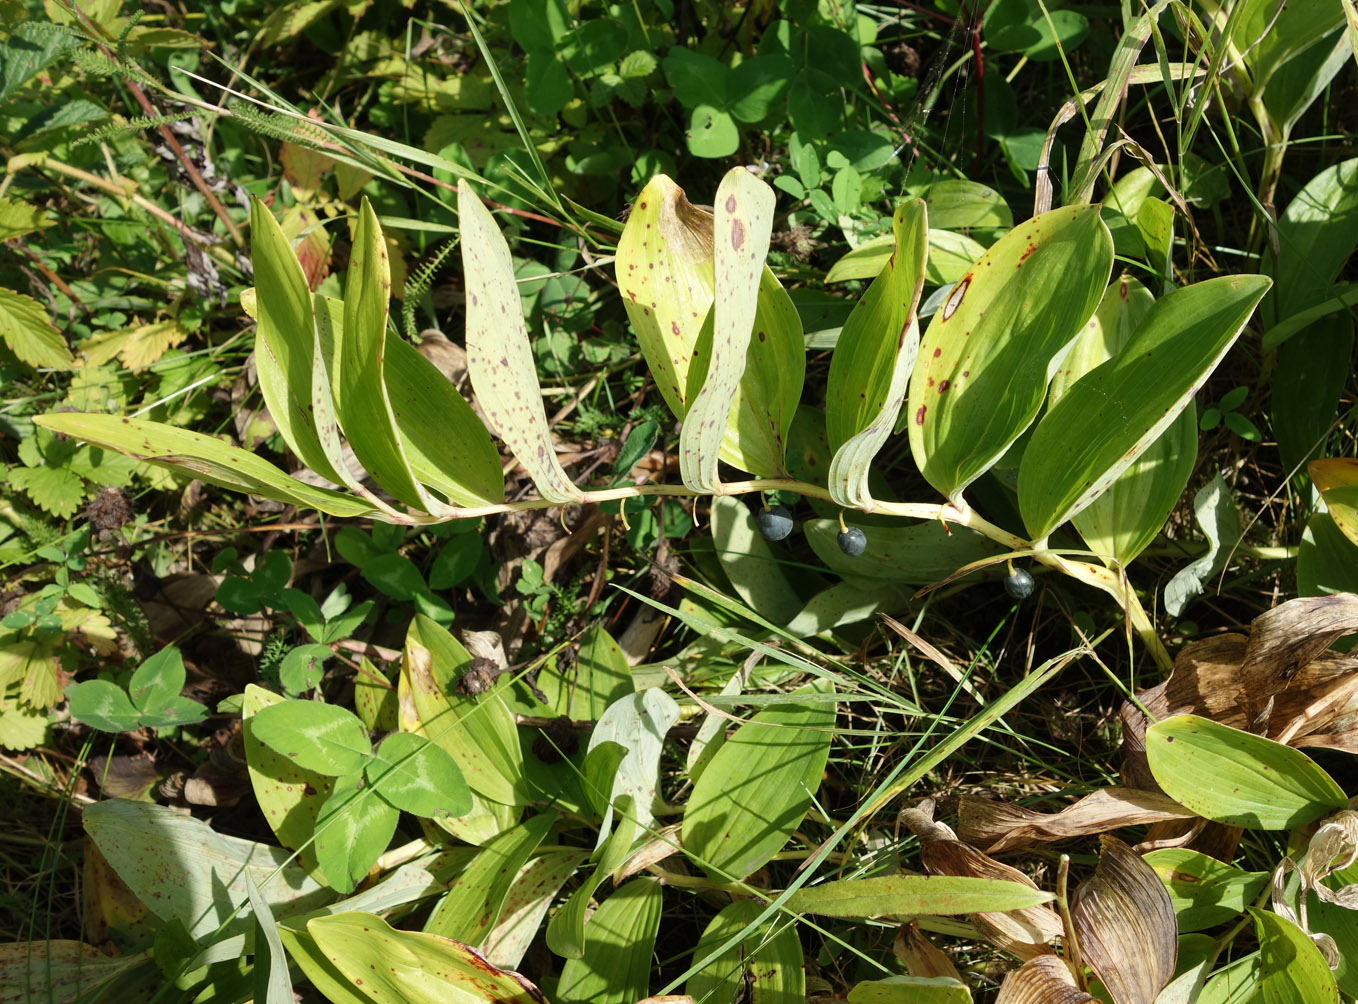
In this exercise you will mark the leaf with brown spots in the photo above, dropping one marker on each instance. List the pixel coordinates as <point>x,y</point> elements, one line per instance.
<point>870,368</point>
<point>389,966</point>
<point>1112,414</point>
<point>987,356</point>
<point>664,268</point>
<point>741,229</point>
<point>499,357</point>
<point>203,457</point>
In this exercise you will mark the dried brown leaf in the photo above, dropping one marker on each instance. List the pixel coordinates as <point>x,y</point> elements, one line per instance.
<point>920,956</point>
<point>1125,925</point>
<point>1043,980</point>
<point>998,826</point>
<point>1022,933</point>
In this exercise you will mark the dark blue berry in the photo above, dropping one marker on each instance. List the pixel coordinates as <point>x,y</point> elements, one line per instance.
<point>853,541</point>
<point>1019,584</point>
<point>775,522</point>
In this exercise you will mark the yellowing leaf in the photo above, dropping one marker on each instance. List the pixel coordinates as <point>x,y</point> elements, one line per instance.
<point>29,333</point>
<point>137,347</point>
<point>18,218</point>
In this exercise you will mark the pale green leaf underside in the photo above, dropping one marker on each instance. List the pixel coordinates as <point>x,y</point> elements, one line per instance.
<point>741,228</point>
<point>499,357</point>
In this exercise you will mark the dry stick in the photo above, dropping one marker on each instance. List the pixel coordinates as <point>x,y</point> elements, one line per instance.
<point>49,275</point>
<point>167,134</point>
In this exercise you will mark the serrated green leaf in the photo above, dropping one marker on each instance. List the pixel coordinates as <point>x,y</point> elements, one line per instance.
<point>741,228</point>
<point>57,490</point>
<point>914,896</point>
<point>499,358</point>
<point>18,218</point>
<point>203,457</point>
<point>757,788</point>
<point>871,365</point>
<point>987,355</point>
<point>1110,416</point>
<point>1238,778</point>
<point>321,737</point>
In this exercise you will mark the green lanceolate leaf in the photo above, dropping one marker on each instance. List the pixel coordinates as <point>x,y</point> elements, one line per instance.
<point>638,723</point>
<point>566,929</point>
<point>665,273</point>
<point>285,356</point>
<point>473,902</point>
<point>445,444</point>
<point>756,789</point>
<point>1293,970</point>
<point>1205,892</point>
<point>918,555</point>
<point>479,732</point>
<point>405,967</point>
<point>1122,521</point>
<point>911,990</point>
<point>870,368</point>
<point>183,870</point>
<point>741,227</point>
<point>1238,778</point>
<point>767,964</point>
<point>753,565</point>
<point>950,255</point>
<point>914,895</point>
<point>988,353</point>
<point>499,357</point>
<point>289,795</point>
<point>616,966</point>
<point>203,457</point>
<point>1109,417</point>
<point>359,372</point>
